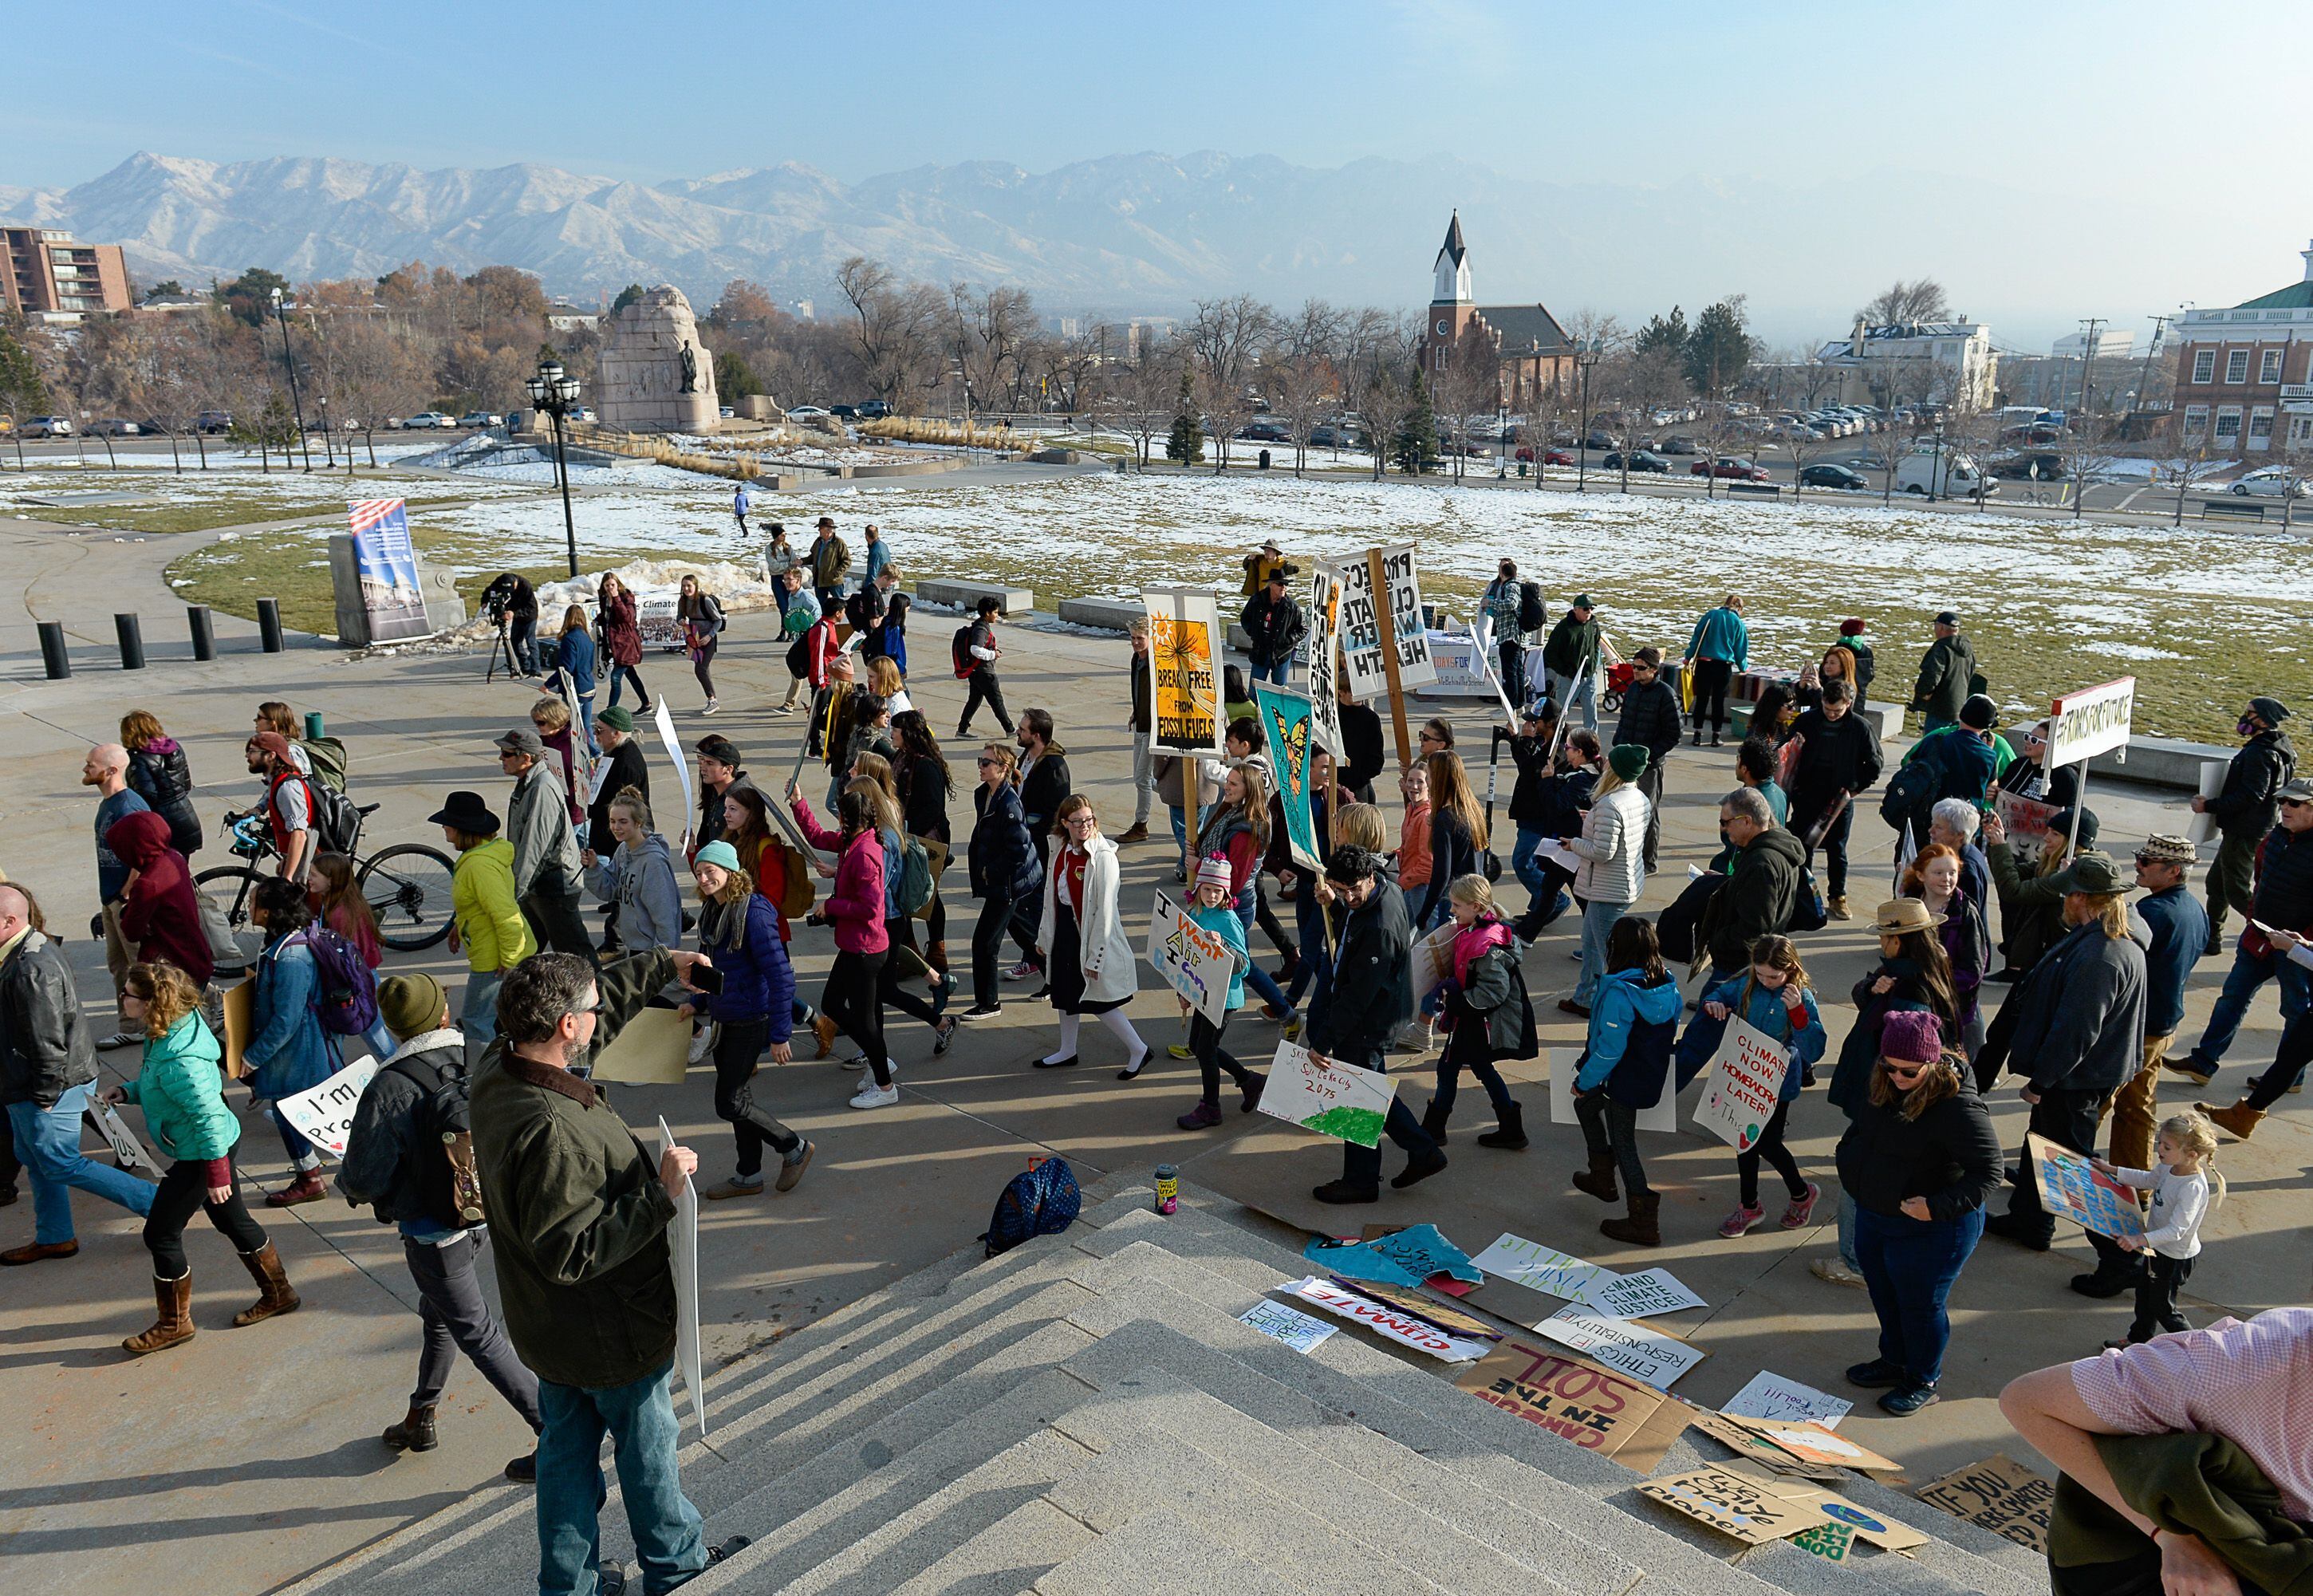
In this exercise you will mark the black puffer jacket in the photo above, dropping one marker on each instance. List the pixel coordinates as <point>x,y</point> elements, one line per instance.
<point>2250,801</point>
<point>44,1049</point>
<point>160,775</point>
<point>1651,718</point>
<point>1760,897</point>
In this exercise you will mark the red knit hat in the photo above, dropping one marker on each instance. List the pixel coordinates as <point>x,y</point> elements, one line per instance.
<point>1911,1036</point>
<point>1851,627</point>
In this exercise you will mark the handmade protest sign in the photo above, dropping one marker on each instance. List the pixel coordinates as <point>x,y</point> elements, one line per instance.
<point>652,1049</point>
<point>1621,1345</point>
<point>2000,1494</point>
<point>1290,1326</point>
<point>1286,717</point>
<point>1646,1293</point>
<point>1404,1328</point>
<point>126,1150</point>
<point>1756,1450</point>
<point>240,1004</point>
<point>1770,1397</point>
<point>2092,722</point>
<point>1333,1099</point>
<point>2026,822</point>
<point>1451,1319</point>
<point>1757,1510</point>
<point>682,1249</point>
<point>2070,1189</point>
<point>324,1114</point>
<point>1324,635</point>
<point>1745,1078</point>
<point>1544,1269</point>
<point>1563,1063</point>
<point>1595,1408</point>
<point>1432,959</point>
<point>664,719</point>
<point>1195,962</point>
<point>1359,620</point>
<point>1184,651</point>
<point>1401,1258</point>
<point>1810,1444</point>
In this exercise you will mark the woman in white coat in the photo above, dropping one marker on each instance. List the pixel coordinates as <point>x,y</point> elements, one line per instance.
<point>1614,871</point>
<point>1089,962</point>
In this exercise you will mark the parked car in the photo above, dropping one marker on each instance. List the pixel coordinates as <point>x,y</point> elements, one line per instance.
<point>212,422</point>
<point>1679,444</point>
<point>582,414</point>
<point>1601,440</point>
<point>1264,432</point>
<point>1728,465</point>
<point>874,410</point>
<point>427,420</point>
<point>481,418</point>
<point>844,412</point>
<point>810,412</point>
<point>1827,475</point>
<point>1327,436</point>
<point>114,427</point>
<point>2274,481</point>
<point>1963,478</point>
<point>48,426</point>
<point>2020,467</point>
<point>1640,460</point>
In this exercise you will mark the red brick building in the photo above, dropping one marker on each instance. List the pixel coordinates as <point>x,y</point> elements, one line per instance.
<point>1535,353</point>
<point>2245,373</point>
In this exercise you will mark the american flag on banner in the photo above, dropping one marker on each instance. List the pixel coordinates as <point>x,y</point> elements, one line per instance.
<point>387,565</point>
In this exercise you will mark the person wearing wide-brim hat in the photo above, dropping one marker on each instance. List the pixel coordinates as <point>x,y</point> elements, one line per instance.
<point>486,922</point>
<point>1268,560</point>
<point>2180,929</point>
<point>1899,916</point>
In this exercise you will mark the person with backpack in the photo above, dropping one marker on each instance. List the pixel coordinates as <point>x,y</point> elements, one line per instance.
<point>1718,651</point>
<point>1514,609</point>
<point>398,1162</point>
<point>974,655</point>
<point>799,617</point>
<point>830,563</point>
<point>1004,876</point>
<point>290,1050</point>
<point>907,887</point>
<point>159,775</point>
<point>547,871</point>
<point>289,806</point>
<point>752,1008</point>
<point>1488,1015</point>
<point>858,909</point>
<point>922,782</point>
<point>700,616</point>
<point>486,918</point>
<point>1625,1067</point>
<point>180,1087</point>
<point>1772,996</point>
<point>1838,760</point>
<point>1956,761</point>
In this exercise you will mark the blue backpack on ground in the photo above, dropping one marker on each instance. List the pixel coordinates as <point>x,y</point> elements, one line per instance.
<point>1041,1200</point>
<point>345,989</point>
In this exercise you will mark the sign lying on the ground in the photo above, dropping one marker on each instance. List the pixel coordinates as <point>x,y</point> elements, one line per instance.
<point>1333,1099</point>
<point>1360,624</point>
<point>322,1115</point>
<point>2092,722</point>
<point>1544,1269</point>
<point>1184,652</point>
<point>1629,1348</point>
<point>2070,1189</point>
<point>1290,1326</point>
<point>1740,1089</point>
<point>1401,1258</point>
<point>1421,1305</point>
<point>682,1249</point>
<point>1404,1328</point>
<point>1662,1116</point>
<point>1758,1511</point>
<point>1287,718</point>
<point>1195,962</point>
<point>1805,1442</point>
<point>1324,645</point>
<point>2000,1494</point>
<point>1770,1395</point>
<point>1595,1408</point>
<point>1647,1293</point>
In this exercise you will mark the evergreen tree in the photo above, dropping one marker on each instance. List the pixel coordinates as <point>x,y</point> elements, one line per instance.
<point>1662,332</point>
<point>627,297</point>
<point>1416,440</point>
<point>1186,444</point>
<point>1719,349</point>
<point>735,379</point>
<point>249,295</point>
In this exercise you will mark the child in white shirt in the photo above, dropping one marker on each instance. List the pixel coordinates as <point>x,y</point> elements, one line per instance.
<point>2185,1185</point>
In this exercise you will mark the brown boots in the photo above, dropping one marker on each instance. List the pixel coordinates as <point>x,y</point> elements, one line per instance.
<point>264,1268</point>
<point>174,1298</point>
<point>1598,1180</point>
<point>1640,1229</point>
<point>2240,1119</point>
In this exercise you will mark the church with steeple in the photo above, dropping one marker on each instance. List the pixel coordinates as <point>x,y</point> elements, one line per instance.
<point>1534,351</point>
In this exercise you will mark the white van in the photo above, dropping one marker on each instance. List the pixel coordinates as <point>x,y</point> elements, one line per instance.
<point>1963,478</point>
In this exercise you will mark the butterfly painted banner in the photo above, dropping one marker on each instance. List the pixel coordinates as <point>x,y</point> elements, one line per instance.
<point>1286,717</point>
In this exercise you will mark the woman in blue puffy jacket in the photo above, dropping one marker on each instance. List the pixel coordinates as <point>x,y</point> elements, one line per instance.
<point>289,1053</point>
<point>739,933</point>
<point>1771,996</point>
<point>1006,877</point>
<point>1625,1067</point>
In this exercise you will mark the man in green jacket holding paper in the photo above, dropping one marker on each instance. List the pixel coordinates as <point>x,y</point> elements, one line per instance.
<point>579,1211</point>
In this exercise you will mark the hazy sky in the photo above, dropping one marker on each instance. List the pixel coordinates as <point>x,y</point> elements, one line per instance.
<point>2147,119</point>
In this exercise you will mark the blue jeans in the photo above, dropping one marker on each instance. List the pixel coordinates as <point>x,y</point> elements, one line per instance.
<point>668,1539</point>
<point>1568,692</point>
<point>1597,920</point>
<point>47,1142</point>
<point>586,718</point>
<point>1361,1166</point>
<point>2250,973</point>
<point>1257,978</point>
<point>1316,968</point>
<point>1910,1266</point>
<point>478,1016</point>
<point>1847,1211</point>
<point>1280,673</point>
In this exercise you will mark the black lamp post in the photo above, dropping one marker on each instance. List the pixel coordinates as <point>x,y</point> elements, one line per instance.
<point>1936,482</point>
<point>1585,355</point>
<point>289,359</point>
<point>557,394</point>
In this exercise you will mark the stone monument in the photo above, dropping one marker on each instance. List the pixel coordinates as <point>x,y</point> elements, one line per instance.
<point>653,373</point>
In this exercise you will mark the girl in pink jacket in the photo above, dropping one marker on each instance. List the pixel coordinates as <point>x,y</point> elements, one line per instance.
<point>857,910</point>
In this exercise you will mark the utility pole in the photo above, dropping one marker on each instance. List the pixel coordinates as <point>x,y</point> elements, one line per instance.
<point>2144,382</point>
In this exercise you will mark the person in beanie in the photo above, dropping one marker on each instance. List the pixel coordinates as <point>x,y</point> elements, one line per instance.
<point>1372,996</point>
<point>1720,650</point>
<point>396,1163</point>
<point>580,1213</point>
<point>1920,1159</point>
<point>1947,676</point>
<point>1651,719</point>
<point>1613,874</point>
<point>614,728</point>
<point>2284,903</point>
<point>1853,638</point>
<point>1214,909</point>
<point>1958,762</point>
<point>2246,807</point>
<point>2180,929</point>
<point>739,932</point>
<point>486,924</point>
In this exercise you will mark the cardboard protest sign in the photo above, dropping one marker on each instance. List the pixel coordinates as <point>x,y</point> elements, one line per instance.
<point>1324,635</point>
<point>1564,1061</point>
<point>1756,1451</point>
<point>1544,1269</point>
<point>1812,1443</point>
<point>1337,1101</point>
<point>1290,1326</point>
<point>324,1114</point>
<point>1633,1349</point>
<point>2026,820</point>
<point>1772,1396</point>
<point>1757,1511</point>
<point>1398,1326</point>
<point>1451,1319</point>
<point>1359,620</point>
<point>2070,1189</point>
<point>1740,1089</point>
<point>2092,722</point>
<point>1195,962</point>
<point>682,1249</point>
<point>1595,1408</point>
<point>1482,638</point>
<point>1184,651</point>
<point>1433,960</point>
<point>1286,717</point>
<point>2000,1494</point>
<point>126,1150</point>
<point>1401,1258</point>
<point>652,1049</point>
<point>664,719</point>
<point>1648,1292</point>
<point>239,1004</point>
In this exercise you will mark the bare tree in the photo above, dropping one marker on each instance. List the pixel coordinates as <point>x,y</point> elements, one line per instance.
<point>1227,337</point>
<point>1903,304</point>
<point>1470,386</point>
<point>1386,396</point>
<point>897,331</point>
<point>1147,392</point>
<point>1304,383</point>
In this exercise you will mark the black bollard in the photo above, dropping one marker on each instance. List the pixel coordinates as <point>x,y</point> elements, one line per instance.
<point>52,650</point>
<point>204,633</point>
<point>268,624</point>
<point>131,633</point>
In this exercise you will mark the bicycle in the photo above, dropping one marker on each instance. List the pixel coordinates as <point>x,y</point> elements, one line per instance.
<point>406,886</point>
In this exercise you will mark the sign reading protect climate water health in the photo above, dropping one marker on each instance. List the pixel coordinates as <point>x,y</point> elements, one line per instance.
<point>1360,624</point>
<point>1746,1077</point>
<point>1194,961</point>
<point>2092,722</point>
<point>1185,650</point>
<point>388,567</point>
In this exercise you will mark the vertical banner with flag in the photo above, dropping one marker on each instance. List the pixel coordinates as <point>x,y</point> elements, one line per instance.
<point>388,567</point>
<point>1285,717</point>
<point>1184,651</point>
<point>1324,642</point>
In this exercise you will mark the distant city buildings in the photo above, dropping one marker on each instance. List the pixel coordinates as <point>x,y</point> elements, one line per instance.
<point>1947,363</point>
<point>1535,353</point>
<point>2242,369</point>
<point>51,277</point>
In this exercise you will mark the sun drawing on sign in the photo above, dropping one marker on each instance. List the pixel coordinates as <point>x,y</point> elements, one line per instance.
<point>1186,651</point>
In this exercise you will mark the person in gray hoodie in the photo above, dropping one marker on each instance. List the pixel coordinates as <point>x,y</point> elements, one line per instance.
<point>547,871</point>
<point>639,878</point>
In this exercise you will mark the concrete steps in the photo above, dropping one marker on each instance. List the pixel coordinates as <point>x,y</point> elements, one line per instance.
<point>1088,1413</point>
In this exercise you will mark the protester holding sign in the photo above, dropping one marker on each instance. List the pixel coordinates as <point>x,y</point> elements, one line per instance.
<point>753,1009</point>
<point>1772,996</point>
<point>1212,910</point>
<point>181,1089</point>
<point>1921,1159</point>
<point>2282,901</point>
<point>2246,807</point>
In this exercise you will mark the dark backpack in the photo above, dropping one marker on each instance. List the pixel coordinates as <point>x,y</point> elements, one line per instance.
<point>1808,913</point>
<point>961,652</point>
<point>441,1148</point>
<point>1041,1200</point>
<point>1532,614</point>
<point>345,989</point>
<point>1912,790</point>
<point>337,824</point>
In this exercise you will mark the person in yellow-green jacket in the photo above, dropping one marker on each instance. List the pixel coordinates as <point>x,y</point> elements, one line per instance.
<point>488,927</point>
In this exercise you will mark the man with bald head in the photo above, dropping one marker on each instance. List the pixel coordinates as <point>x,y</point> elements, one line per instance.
<point>46,1070</point>
<point>106,769</point>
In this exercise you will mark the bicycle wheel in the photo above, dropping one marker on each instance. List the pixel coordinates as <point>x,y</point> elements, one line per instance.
<point>241,892</point>
<point>407,889</point>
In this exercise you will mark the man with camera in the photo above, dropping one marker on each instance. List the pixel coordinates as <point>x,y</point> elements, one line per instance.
<point>511,605</point>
